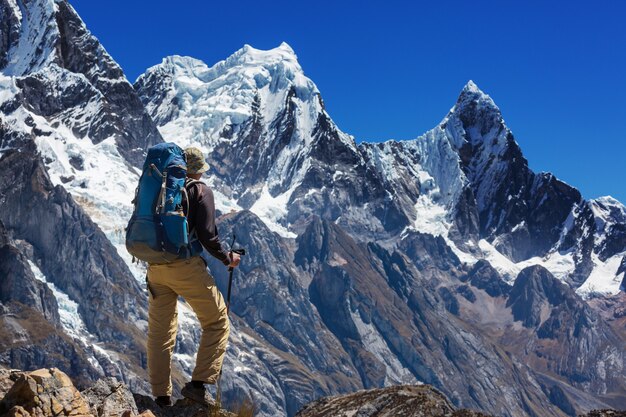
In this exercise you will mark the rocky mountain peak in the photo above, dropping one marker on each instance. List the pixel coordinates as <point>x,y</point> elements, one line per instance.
<point>472,87</point>
<point>607,210</point>
<point>535,286</point>
<point>471,95</point>
<point>477,116</point>
<point>45,46</point>
<point>251,84</point>
<point>38,33</point>
<point>398,401</point>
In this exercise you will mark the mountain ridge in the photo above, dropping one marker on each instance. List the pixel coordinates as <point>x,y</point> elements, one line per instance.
<point>420,292</point>
<point>464,222</point>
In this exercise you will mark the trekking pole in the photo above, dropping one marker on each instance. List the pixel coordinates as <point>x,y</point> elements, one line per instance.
<point>230,275</point>
<point>241,252</point>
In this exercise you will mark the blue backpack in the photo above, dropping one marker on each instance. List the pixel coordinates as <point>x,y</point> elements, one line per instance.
<point>158,231</point>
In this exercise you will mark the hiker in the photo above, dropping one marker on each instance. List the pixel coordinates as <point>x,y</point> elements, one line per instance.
<point>190,279</point>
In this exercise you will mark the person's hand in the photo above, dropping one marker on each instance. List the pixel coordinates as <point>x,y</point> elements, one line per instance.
<point>235,258</point>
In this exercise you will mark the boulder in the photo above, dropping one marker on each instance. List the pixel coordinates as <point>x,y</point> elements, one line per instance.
<point>51,393</point>
<point>44,393</point>
<point>7,379</point>
<point>110,398</point>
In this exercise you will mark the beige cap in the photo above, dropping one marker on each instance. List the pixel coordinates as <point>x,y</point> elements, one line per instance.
<point>195,161</point>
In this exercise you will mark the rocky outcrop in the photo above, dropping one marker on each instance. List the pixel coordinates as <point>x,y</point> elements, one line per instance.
<point>43,393</point>
<point>606,413</point>
<point>483,276</point>
<point>7,379</point>
<point>533,287</point>
<point>49,392</point>
<point>399,401</point>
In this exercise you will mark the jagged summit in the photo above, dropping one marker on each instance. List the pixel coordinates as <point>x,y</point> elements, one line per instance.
<point>278,67</point>
<point>471,87</point>
<point>607,211</point>
<point>282,51</point>
<point>472,98</point>
<point>45,46</point>
<point>181,65</point>
<point>40,34</point>
<point>609,201</point>
<point>250,82</point>
<point>281,59</point>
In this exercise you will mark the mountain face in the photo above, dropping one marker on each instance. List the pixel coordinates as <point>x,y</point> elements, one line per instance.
<point>368,264</point>
<point>69,119</point>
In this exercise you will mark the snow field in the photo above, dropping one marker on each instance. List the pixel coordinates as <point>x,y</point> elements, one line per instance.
<point>74,325</point>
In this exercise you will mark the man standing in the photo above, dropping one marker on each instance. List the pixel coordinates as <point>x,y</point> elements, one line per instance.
<point>190,279</point>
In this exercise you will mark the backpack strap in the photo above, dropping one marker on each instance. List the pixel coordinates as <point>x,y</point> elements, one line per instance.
<point>188,184</point>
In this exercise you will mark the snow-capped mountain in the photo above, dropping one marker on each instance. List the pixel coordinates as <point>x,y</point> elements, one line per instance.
<point>275,150</point>
<point>369,264</point>
<point>269,138</point>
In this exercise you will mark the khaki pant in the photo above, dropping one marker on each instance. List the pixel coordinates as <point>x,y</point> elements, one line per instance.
<point>191,280</point>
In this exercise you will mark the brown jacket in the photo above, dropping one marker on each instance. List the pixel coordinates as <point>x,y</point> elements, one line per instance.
<point>201,219</point>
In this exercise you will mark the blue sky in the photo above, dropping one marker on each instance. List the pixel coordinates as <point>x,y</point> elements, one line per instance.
<point>556,69</point>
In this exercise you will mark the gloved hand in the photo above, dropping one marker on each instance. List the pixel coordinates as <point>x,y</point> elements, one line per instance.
<point>235,258</point>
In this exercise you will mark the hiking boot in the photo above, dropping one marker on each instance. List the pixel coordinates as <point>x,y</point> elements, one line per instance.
<point>163,401</point>
<point>197,394</point>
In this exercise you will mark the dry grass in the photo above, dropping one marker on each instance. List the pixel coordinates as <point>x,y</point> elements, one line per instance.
<point>246,409</point>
